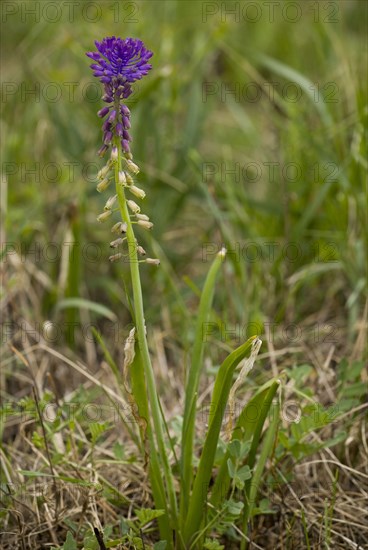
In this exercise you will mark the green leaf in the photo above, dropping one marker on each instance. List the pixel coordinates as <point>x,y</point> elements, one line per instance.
<point>294,76</point>
<point>70,542</point>
<point>97,429</point>
<point>223,384</point>
<point>299,373</point>
<point>137,543</point>
<point>234,508</point>
<point>193,382</point>
<point>81,303</point>
<point>251,487</point>
<point>90,542</point>
<point>211,544</point>
<point>145,515</point>
<point>35,473</point>
<point>234,448</point>
<point>244,473</point>
<point>231,468</point>
<point>124,526</point>
<point>248,429</point>
<point>119,451</point>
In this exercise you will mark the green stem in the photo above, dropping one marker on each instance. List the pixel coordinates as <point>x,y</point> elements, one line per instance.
<point>252,485</point>
<point>142,342</point>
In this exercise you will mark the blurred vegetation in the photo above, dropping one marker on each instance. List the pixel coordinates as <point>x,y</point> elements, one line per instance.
<point>249,133</point>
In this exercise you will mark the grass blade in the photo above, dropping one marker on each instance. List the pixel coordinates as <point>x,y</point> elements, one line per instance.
<point>246,429</point>
<point>193,381</point>
<point>252,486</point>
<point>86,304</point>
<point>223,384</point>
<point>305,83</point>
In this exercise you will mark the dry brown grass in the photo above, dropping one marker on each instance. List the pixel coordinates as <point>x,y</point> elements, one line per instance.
<point>325,504</point>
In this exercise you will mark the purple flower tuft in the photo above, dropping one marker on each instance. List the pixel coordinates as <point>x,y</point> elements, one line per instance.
<point>118,63</point>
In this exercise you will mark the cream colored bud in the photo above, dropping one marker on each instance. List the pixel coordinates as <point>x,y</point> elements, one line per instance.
<point>116,228</point>
<point>102,217</point>
<point>103,172</point>
<point>117,242</point>
<point>133,207</point>
<point>145,224</point>
<point>110,202</point>
<point>122,178</point>
<point>152,261</point>
<point>133,168</point>
<point>141,250</point>
<point>137,192</point>
<point>114,154</point>
<point>129,179</point>
<point>120,227</point>
<point>143,217</point>
<point>103,185</point>
<point>115,257</point>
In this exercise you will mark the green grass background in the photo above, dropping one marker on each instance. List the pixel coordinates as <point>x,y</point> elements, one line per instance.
<point>178,128</point>
<point>216,113</point>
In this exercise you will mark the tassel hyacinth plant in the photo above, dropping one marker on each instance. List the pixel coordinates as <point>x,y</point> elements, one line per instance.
<point>189,506</point>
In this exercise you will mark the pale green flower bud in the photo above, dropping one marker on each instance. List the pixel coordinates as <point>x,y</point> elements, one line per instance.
<point>122,178</point>
<point>145,224</point>
<point>115,257</point>
<point>129,179</point>
<point>133,168</point>
<point>103,185</point>
<point>152,261</point>
<point>102,217</point>
<point>137,192</point>
<point>141,250</point>
<point>143,217</point>
<point>133,207</point>
<point>116,228</point>
<point>117,242</point>
<point>103,172</point>
<point>110,202</point>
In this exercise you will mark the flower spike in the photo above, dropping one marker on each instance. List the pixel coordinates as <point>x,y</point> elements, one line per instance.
<point>118,63</point>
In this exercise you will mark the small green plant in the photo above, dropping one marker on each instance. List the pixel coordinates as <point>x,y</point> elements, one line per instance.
<point>184,520</point>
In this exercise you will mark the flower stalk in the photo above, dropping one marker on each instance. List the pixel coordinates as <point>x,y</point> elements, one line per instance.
<point>118,64</point>
<point>142,341</point>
